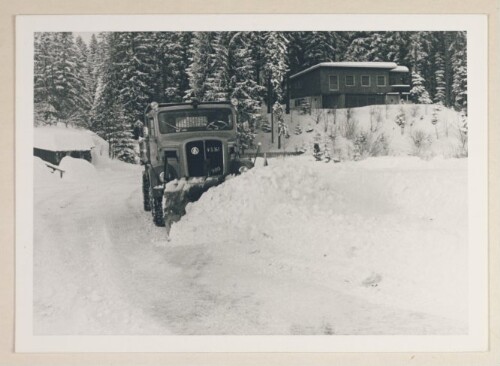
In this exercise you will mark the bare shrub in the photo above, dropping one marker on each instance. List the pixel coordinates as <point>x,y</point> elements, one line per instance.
<point>401,120</point>
<point>375,118</point>
<point>371,144</point>
<point>349,127</point>
<point>415,109</point>
<point>421,142</point>
<point>342,148</point>
<point>464,135</point>
<point>317,115</point>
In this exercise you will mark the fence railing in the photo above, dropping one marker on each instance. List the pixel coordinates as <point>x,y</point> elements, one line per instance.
<point>271,154</point>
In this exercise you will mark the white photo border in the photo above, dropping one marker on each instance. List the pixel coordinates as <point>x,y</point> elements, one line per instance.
<point>477,61</point>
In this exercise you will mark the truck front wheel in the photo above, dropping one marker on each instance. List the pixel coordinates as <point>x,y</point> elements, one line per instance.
<point>157,208</point>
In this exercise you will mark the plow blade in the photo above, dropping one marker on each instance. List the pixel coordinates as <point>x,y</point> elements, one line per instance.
<point>178,193</point>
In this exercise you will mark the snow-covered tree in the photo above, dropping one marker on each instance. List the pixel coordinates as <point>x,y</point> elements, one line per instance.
<point>318,48</point>
<point>418,93</point>
<point>60,89</point>
<point>120,137</point>
<point>202,60</point>
<point>459,66</point>
<point>280,120</point>
<point>440,96</point>
<point>217,79</point>
<point>110,119</point>
<point>45,113</point>
<point>136,73</point>
<point>172,59</point>
<point>275,62</point>
<point>93,62</point>
<point>243,82</point>
<point>361,47</point>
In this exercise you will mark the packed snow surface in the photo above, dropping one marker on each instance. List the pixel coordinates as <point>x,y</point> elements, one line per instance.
<point>297,247</point>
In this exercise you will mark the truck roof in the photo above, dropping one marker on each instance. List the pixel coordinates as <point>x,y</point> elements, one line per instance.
<point>162,105</point>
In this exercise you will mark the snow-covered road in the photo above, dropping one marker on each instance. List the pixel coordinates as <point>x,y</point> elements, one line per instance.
<point>375,247</point>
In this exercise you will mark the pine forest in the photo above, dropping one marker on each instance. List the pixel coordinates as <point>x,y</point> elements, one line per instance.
<point>105,84</point>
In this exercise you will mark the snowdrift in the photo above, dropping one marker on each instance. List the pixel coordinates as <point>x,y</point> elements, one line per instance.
<point>390,231</point>
<point>74,170</point>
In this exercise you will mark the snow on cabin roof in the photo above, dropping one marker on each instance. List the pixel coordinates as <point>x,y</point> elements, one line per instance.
<point>392,66</point>
<point>400,69</point>
<point>62,139</point>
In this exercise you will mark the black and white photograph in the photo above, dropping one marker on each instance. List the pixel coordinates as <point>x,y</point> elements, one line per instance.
<point>254,182</point>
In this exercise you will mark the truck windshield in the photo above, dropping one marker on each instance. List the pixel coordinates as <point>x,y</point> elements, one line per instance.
<point>200,119</point>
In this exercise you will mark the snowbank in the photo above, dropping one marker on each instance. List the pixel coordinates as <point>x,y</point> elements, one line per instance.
<point>390,231</point>
<point>43,174</point>
<point>74,170</point>
<point>77,169</point>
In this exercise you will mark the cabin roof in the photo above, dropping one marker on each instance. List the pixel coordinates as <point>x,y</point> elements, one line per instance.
<point>62,139</point>
<point>391,66</point>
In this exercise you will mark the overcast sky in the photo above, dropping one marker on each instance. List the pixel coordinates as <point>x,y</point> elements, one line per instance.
<point>85,36</point>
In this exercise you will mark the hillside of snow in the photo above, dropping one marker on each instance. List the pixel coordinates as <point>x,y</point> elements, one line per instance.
<point>372,131</point>
<point>377,246</point>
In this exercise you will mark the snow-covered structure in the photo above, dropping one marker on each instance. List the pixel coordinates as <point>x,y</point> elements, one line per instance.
<point>349,84</point>
<point>53,143</point>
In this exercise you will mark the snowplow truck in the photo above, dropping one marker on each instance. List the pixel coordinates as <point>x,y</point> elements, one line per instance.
<point>186,149</point>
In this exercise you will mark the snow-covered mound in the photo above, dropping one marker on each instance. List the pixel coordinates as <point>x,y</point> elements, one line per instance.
<point>62,139</point>
<point>392,231</point>
<point>77,169</point>
<point>43,174</point>
<point>373,130</point>
<point>73,170</point>
<point>100,152</point>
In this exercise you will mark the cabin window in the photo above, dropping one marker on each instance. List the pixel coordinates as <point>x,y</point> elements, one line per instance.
<point>334,82</point>
<point>349,80</point>
<point>381,80</point>
<point>365,80</point>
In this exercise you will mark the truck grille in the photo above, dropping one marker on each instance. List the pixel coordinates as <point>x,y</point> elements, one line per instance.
<point>204,158</point>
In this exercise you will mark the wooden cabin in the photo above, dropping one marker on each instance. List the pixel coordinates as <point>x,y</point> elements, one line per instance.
<point>54,143</point>
<point>349,84</point>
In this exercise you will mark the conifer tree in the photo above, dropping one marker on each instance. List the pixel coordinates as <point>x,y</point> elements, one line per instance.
<point>243,79</point>
<point>60,90</point>
<point>217,78</point>
<point>201,63</point>
<point>136,73</point>
<point>93,63</point>
<point>243,86</point>
<point>459,68</point>
<point>110,120</point>
<point>418,93</point>
<point>45,112</point>
<point>318,48</point>
<point>172,59</point>
<point>440,95</point>
<point>275,61</point>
